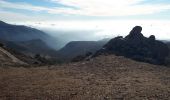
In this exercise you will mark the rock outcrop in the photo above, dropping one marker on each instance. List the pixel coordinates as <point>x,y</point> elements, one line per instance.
<point>137,47</point>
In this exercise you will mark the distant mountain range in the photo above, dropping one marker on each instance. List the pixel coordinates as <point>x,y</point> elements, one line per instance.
<point>31,41</point>
<point>31,47</point>
<point>27,40</point>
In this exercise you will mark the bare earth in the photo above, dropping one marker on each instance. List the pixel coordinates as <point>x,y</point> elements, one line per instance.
<point>103,78</point>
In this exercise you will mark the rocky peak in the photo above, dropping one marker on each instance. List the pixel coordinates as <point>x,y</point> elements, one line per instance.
<point>137,47</point>
<point>152,38</point>
<point>135,33</point>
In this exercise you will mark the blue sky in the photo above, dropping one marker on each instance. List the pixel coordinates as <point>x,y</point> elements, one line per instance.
<point>34,10</point>
<point>101,18</point>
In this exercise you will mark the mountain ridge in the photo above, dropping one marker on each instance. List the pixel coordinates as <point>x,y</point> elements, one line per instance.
<point>137,47</point>
<point>24,38</point>
<point>76,48</point>
<point>11,32</point>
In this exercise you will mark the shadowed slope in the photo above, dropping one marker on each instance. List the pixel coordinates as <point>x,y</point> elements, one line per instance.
<point>8,59</point>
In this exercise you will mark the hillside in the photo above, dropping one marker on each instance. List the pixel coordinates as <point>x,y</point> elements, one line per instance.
<point>32,47</point>
<point>101,78</point>
<point>23,37</point>
<point>77,48</point>
<point>8,59</point>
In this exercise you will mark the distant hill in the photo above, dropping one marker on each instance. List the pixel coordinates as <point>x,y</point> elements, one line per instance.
<point>12,57</point>
<point>26,39</point>
<point>76,48</point>
<point>32,47</point>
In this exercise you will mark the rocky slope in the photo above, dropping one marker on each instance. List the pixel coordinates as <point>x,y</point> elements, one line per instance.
<point>11,57</point>
<point>6,58</point>
<point>137,47</point>
<point>101,78</point>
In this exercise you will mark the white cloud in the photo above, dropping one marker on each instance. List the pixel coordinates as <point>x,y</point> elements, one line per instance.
<point>15,17</point>
<point>106,28</point>
<point>11,16</point>
<point>93,7</point>
<point>109,7</point>
<point>24,6</point>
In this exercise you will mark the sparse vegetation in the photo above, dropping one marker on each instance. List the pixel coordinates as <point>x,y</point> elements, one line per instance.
<point>42,60</point>
<point>101,78</point>
<point>82,57</point>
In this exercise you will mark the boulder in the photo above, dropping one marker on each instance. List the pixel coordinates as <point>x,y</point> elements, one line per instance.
<point>135,33</point>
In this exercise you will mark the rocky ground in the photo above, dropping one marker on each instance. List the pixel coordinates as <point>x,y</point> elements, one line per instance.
<point>102,78</point>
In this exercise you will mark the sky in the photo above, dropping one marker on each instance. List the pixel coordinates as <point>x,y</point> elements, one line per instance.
<point>103,18</point>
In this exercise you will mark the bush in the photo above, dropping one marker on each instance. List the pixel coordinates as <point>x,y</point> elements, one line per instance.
<point>78,58</point>
<point>1,45</point>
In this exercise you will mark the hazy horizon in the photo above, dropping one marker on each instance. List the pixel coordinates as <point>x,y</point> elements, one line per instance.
<point>70,20</point>
<point>99,29</point>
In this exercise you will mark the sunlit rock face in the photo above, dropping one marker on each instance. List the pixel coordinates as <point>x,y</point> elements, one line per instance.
<point>137,47</point>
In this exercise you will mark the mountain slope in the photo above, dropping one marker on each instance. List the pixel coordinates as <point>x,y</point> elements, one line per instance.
<point>12,57</point>
<point>76,48</point>
<point>6,58</point>
<point>101,78</point>
<point>27,39</point>
<point>10,32</point>
<point>32,47</point>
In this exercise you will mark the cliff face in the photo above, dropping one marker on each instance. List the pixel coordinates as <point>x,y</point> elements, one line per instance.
<point>137,47</point>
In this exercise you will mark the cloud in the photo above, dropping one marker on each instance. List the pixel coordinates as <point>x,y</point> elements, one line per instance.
<point>109,7</point>
<point>93,7</point>
<point>106,28</point>
<point>21,5</point>
<point>11,16</point>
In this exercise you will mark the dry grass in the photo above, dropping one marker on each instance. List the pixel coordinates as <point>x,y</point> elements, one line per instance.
<point>103,78</point>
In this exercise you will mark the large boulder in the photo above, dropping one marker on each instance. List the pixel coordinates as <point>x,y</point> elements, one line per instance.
<point>135,33</point>
<point>137,47</point>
